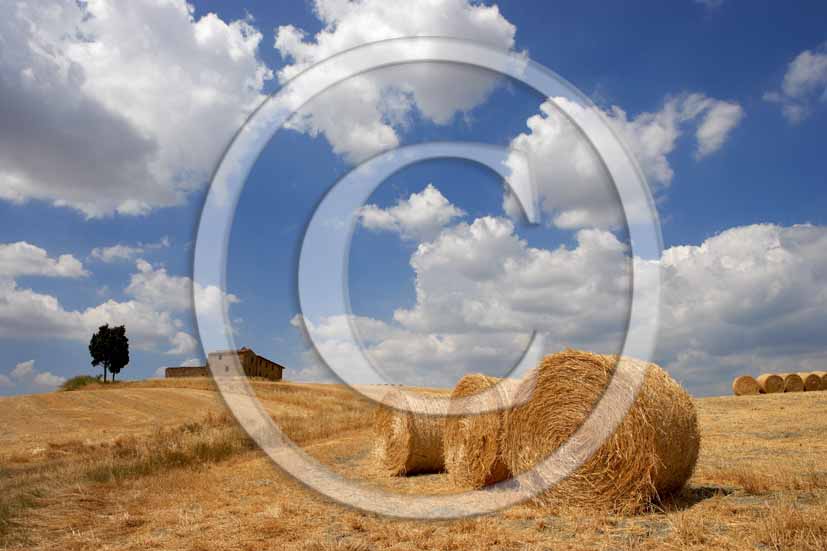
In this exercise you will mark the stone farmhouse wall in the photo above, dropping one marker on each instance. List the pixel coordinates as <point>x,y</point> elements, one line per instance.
<point>224,362</point>
<point>193,371</point>
<point>252,364</point>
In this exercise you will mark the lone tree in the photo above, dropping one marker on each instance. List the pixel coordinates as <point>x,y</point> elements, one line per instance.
<point>110,347</point>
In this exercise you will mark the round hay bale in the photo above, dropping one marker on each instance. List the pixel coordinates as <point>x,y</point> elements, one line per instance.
<point>652,452</point>
<point>823,376</point>
<point>408,443</point>
<point>472,442</point>
<point>812,381</point>
<point>745,386</point>
<point>770,383</point>
<point>792,382</point>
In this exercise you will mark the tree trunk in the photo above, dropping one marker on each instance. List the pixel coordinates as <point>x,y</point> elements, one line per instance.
<point>104,374</point>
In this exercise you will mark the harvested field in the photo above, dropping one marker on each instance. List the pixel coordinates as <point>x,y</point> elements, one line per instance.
<point>760,481</point>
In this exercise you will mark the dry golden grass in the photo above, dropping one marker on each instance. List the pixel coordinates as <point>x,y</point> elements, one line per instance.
<point>195,484</point>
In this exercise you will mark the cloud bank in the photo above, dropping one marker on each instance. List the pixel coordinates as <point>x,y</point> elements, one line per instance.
<point>119,106</point>
<point>155,312</point>
<point>575,190</point>
<point>366,114</point>
<point>749,299</point>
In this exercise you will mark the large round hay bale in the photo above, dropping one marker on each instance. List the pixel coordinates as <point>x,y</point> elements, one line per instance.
<point>793,382</point>
<point>770,383</point>
<point>812,381</point>
<point>472,442</point>
<point>651,453</point>
<point>408,443</point>
<point>745,386</point>
<point>823,375</point>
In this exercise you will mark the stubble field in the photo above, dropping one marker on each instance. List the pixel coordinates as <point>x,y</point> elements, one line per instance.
<point>161,465</point>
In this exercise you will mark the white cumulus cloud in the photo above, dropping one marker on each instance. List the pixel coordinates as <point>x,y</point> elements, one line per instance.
<point>365,114</point>
<point>748,300</point>
<point>48,379</point>
<point>119,106</point>
<point>420,217</point>
<point>25,373</point>
<point>153,285</point>
<point>804,85</point>
<point>183,343</point>
<point>23,370</point>
<point>152,315</point>
<point>122,252</point>
<point>25,259</point>
<point>575,189</point>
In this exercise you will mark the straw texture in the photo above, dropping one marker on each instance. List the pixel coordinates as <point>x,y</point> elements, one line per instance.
<point>793,382</point>
<point>409,443</point>
<point>770,383</point>
<point>652,452</point>
<point>745,386</point>
<point>472,442</point>
<point>812,381</point>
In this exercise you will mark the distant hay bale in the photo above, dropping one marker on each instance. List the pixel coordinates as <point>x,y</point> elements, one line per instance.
<point>472,442</point>
<point>823,376</point>
<point>770,383</point>
<point>651,454</point>
<point>745,386</point>
<point>792,382</point>
<point>812,381</point>
<point>408,443</point>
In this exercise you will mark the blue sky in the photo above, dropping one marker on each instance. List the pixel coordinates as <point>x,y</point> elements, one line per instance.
<point>110,142</point>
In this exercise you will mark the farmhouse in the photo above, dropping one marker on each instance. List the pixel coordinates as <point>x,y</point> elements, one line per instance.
<point>223,361</point>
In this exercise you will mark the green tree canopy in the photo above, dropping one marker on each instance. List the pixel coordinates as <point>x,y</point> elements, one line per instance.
<point>109,347</point>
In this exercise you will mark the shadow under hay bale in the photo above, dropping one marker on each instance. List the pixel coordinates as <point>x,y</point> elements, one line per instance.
<point>472,442</point>
<point>745,386</point>
<point>770,383</point>
<point>812,382</point>
<point>793,382</point>
<point>408,443</point>
<point>651,454</point>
